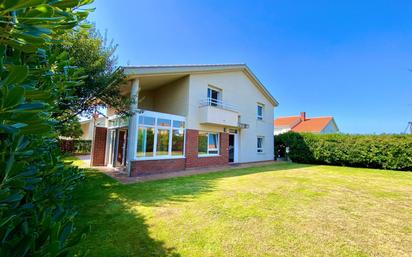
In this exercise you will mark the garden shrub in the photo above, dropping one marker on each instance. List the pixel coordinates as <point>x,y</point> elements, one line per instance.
<point>36,217</point>
<point>75,146</point>
<point>371,151</point>
<point>82,146</point>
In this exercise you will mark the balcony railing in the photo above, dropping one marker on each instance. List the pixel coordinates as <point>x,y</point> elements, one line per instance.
<point>218,103</point>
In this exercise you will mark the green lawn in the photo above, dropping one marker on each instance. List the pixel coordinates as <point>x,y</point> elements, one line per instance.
<point>277,210</point>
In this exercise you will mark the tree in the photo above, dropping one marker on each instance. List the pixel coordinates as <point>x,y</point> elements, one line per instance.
<point>35,185</point>
<point>95,60</point>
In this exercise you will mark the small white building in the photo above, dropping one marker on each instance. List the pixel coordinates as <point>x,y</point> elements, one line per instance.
<point>188,116</point>
<point>87,127</point>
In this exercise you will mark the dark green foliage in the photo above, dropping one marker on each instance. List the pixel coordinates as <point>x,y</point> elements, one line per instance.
<point>76,146</point>
<point>35,186</point>
<point>95,62</point>
<point>82,146</point>
<point>68,126</point>
<point>372,151</point>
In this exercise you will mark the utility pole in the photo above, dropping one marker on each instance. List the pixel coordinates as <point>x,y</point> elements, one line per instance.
<point>408,129</point>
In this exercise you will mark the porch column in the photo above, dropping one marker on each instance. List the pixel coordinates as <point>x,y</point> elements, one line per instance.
<point>132,130</point>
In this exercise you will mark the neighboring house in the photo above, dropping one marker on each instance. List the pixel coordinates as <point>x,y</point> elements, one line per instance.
<point>188,116</point>
<point>321,125</point>
<point>89,125</point>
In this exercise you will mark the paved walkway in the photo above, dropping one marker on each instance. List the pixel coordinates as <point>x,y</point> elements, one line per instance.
<point>120,175</point>
<point>85,159</point>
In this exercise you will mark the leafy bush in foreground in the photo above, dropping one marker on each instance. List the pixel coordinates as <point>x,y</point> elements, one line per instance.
<point>35,186</point>
<point>371,151</point>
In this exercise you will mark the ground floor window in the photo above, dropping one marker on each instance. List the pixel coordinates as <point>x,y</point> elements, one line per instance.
<point>260,144</point>
<point>178,142</point>
<point>145,140</point>
<point>162,141</point>
<point>208,143</point>
<point>160,137</point>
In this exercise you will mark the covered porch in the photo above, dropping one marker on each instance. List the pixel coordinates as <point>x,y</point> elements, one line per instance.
<point>156,131</point>
<point>166,93</point>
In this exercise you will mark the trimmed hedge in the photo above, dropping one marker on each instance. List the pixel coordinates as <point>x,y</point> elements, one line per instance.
<point>372,151</point>
<point>75,146</point>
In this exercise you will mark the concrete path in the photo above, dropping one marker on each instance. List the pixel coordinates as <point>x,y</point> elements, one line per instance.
<point>85,159</point>
<point>120,175</point>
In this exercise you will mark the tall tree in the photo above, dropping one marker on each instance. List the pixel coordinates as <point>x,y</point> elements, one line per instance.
<point>35,185</point>
<point>94,57</point>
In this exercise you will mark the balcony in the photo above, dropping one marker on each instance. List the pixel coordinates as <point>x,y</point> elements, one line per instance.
<point>217,112</point>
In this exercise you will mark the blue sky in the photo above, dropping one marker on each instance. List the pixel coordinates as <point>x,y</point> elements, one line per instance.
<point>348,59</point>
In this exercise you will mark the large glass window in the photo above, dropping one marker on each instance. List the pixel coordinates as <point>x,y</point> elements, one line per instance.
<point>208,143</point>
<point>178,139</point>
<point>118,122</point>
<point>202,143</point>
<point>213,147</point>
<point>160,137</point>
<point>178,124</point>
<point>162,142</point>
<point>144,120</point>
<point>163,122</point>
<point>145,140</point>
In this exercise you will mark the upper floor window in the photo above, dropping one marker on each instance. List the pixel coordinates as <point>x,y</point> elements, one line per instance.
<point>259,111</point>
<point>214,95</point>
<point>259,146</point>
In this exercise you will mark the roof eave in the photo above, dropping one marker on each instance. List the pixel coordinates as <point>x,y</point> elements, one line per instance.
<point>261,86</point>
<point>176,69</point>
<point>137,71</point>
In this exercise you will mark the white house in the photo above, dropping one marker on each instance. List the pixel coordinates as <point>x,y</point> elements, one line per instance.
<point>88,126</point>
<point>317,125</point>
<point>188,116</point>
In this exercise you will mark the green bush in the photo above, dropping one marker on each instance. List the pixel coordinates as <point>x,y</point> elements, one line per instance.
<point>82,146</point>
<point>36,217</point>
<point>75,146</point>
<point>371,151</point>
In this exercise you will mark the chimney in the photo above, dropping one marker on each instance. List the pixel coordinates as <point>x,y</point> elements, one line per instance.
<point>303,116</point>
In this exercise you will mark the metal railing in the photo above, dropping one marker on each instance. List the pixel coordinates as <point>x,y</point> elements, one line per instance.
<point>218,103</point>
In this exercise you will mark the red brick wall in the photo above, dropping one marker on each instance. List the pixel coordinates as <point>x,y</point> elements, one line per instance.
<point>192,159</point>
<point>145,167</point>
<point>99,146</point>
<point>156,166</point>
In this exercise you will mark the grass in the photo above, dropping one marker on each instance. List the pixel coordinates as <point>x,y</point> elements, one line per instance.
<point>73,160</point>
<point>276,210</point>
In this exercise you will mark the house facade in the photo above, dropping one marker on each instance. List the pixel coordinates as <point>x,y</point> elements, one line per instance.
<point>186,117</point>
<point>319,125</point>
<point>88,125</point>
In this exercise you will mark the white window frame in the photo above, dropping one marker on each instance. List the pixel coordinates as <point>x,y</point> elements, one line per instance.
<point>260,117</point>
<point>122,121</point>
<point>157,116</point>
<point>260,149</point>
<point>211,149</point>
<point>214,102</point>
